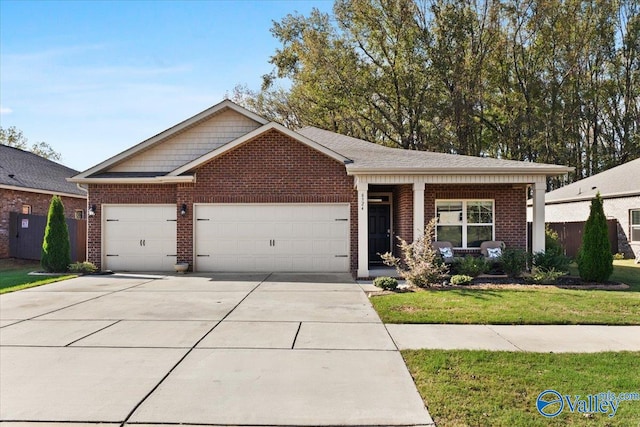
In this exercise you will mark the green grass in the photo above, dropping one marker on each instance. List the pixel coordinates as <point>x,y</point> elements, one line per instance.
<point>14,275</point>
<point>483,388</point>
<point>548,305</point>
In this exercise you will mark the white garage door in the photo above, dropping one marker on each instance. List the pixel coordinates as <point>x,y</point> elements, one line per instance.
<point>139,237</point>
<point>282,237</point>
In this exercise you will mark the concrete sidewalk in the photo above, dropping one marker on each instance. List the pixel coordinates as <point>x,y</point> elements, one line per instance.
<point>533,338</point>
<point>261,349</point>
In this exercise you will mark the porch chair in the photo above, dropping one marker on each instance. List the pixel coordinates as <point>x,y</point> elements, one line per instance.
<point>445,250</point>
<point>492,249</point>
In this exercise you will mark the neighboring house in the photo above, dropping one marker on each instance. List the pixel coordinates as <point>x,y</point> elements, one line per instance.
<point>620,191</point>
<point>27,183</point>
<point>226,190</point>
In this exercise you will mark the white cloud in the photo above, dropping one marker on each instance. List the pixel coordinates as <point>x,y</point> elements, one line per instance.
<point>5,110</point>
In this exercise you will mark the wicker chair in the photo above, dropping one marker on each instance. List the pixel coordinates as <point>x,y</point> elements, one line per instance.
<point>491,244</point>
<point>441,247</point>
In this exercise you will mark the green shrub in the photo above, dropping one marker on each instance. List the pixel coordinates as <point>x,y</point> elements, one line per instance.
<point>419,265</point>
<point>595,261</point>
<point>514,262</point>
<point>471,266</point>
<point>552,240</point>
<point>546,277</point>
<point>82,268</point>
<point>551,259</point>
<point>619,256</point>
<point>386,283</point>
<point>56,250</point>
<point>461,279</point>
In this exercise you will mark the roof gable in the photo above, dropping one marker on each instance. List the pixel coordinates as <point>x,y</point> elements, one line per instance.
<point>22,169</point>
<point>252,135</point>
<point>149,154</point>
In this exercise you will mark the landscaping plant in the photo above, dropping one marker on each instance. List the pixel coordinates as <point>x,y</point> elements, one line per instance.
<point>595,261</point>
<point>82,267</point>
<point>419,265</point>
<point>386,283</point>
<point>460,279</point>
<point>56,250</point>
<point>553,258</point>
<point>471,266</point>
<point>514,262</point>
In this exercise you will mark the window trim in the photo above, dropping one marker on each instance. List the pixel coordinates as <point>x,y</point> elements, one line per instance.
<point>29,209</point>
<point>633,226</point>
<point>78,211</point>
<point>464,224</point>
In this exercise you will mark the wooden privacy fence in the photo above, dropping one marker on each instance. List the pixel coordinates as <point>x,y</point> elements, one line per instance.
<point>570,234</point>
<point>26,233</point>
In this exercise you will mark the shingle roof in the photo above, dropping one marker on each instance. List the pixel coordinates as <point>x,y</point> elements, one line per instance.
<point>367,156</point>
<point>623,180</point>
<point>19,168</point>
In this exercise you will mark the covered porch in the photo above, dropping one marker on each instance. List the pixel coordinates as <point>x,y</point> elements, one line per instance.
<point>391,206</point>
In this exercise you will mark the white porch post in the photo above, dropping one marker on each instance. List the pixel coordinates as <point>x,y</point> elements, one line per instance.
<point>363,230</point>
<point>418,209</point>
<point>537,232</point>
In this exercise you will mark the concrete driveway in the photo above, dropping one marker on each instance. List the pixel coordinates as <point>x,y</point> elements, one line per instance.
<point>262,349</point>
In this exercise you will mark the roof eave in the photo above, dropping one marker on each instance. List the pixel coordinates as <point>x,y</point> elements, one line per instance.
<point>42,191</point>
<point>553,171</point>
<point>132,180</point>
<point>588,197</point>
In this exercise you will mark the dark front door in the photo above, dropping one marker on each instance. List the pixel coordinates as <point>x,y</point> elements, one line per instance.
<point>379,232</point>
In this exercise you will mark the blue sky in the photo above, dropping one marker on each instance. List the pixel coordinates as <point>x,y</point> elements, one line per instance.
<point>92,78</point>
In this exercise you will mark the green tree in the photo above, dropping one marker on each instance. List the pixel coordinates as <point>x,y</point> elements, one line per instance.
<point>56,250</point>
<point>595,261</point>
<point>13,137</point>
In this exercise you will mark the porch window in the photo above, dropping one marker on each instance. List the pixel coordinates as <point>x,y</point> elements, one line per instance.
<point>465,223</point>
<point>635,225</point>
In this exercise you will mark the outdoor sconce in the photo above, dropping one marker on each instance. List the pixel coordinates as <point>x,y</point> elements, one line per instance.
<point>92,210</point>
<point>183,211</point>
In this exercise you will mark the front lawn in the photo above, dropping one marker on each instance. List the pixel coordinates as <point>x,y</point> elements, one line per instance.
<point>529,305</point>
<point>14,275</point>
<point>483,388</point>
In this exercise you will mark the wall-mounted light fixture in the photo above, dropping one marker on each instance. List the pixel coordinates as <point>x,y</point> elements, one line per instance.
<point>92,210</point>
<point>183,211</point>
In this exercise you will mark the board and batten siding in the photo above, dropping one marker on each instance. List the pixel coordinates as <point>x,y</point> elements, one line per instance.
<point>190,144</point>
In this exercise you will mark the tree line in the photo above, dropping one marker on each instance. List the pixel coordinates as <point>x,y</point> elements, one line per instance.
<point>555,81</point>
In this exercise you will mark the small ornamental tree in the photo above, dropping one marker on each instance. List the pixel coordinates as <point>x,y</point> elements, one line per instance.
<point>56,250</point>
<point>595,261</point>
<point>419,265</point>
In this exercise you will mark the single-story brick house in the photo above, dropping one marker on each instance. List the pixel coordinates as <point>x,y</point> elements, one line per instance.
<point>620,191</point>
<point>27,183</point>
<point>226,190</point>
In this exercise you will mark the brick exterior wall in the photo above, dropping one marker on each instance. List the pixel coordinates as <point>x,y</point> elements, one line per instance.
<point>125,194</point>
<point>402,214</point>
<point>510,208</point>
<point>12,201</point>
<point>272,168</point>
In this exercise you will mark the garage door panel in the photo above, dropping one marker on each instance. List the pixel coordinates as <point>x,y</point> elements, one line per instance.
<point>139,237</point>
<point>282,237</point>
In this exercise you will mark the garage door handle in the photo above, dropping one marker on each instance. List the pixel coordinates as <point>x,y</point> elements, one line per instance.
<point>202,219</point>
<point>112,255</point>
<point>172,255</point>
<point>342,219</point>
<point>341,256</point>
<point>109,220</point>
<point>202,255</point>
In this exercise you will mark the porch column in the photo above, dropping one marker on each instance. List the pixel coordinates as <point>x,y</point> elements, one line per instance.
<point>363,230</point>
<point>537,229</point>
<point>418,209</point>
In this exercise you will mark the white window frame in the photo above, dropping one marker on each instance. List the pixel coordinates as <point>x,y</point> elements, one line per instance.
<point>27,208</point>
<point>465,224</point>
<point>633,226</point>
<point>78,214</point>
